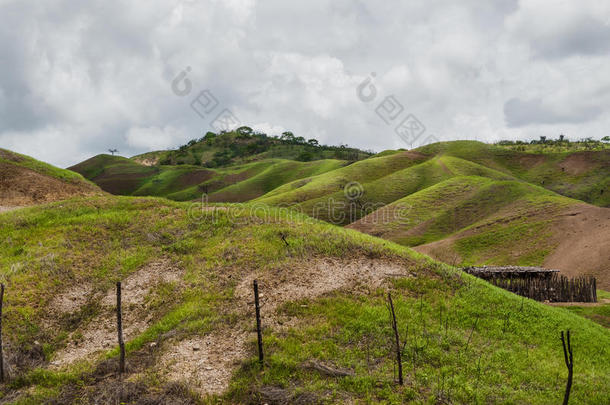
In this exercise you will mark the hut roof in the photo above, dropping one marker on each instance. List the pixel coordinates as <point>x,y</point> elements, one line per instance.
<point>505,270</point>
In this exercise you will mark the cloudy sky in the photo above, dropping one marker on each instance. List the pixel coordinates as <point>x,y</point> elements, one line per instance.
<point>79,77</point>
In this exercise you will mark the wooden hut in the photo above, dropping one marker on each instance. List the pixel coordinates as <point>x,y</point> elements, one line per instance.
<point>538,283</point>
<point>522,272</point>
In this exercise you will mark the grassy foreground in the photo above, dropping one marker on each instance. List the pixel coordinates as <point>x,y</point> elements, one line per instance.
<point>464,340</point>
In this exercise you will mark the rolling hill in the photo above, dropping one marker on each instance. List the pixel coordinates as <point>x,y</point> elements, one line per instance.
<point>26,181</point>
<point>236,183</point>
<point>479,221</point>
<point>462,202</point>
<point>189,323</point>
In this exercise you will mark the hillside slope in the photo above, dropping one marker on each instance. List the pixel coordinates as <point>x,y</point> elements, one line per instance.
<point>237,183</point>
<point>188,319</point>
<point>26,181</point>
<point>200,167</point>
<point>465,202</point>
<point>582,175</point>
<point>474,220</point>
<point>245,145</point>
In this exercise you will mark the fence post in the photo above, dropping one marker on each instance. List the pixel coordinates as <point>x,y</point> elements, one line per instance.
<point>1,348</point>
<point>395,327</point>
<point>259,333</point>
<point>119,322</point>
<point>567,354</point>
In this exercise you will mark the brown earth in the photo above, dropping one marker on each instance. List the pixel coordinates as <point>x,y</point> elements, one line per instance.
<point>20,186</point>
<point>151,161</point>
<point>582,162</point>
<point>530,160</point>
<point>120,184</point>
<point>208,362</point>
<point>99,334</point>
<point>582,234</point>
<point>581,240</point>
<point>195,177</point>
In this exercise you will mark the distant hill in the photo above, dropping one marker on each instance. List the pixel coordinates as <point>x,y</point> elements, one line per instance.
<point>238,183</point>
<point>468,202</point>
<point>26,181</point>
<point>574,172</point>
<point>245,145</point>
<point>234,166</point>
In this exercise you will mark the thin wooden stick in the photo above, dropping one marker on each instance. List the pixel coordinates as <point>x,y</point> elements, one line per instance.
<point>119,322</point>
<point>567,354</point>
<point>395,327</point>
<point>1,348</point>
<point>259,332</point>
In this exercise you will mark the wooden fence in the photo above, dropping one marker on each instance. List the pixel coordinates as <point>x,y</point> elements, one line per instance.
<point>554,289</point>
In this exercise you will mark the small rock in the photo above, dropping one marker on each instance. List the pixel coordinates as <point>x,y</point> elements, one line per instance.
<point>196,348</point>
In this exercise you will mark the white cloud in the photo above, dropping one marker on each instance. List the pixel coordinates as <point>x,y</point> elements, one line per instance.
<point>80,77</point>
<point>154,138</point>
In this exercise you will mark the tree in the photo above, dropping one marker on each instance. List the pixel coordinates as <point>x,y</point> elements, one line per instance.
<point>113,151</point>
<point>313,142</point>
<point>244,131</point>
<point>287,136</point>
<point>305,156</point>
<point>606,138</point>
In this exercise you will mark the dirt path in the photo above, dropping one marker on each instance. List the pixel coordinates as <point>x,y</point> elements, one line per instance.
<point>603,301</point>
<point>100,333</point>
<point>207,363</point>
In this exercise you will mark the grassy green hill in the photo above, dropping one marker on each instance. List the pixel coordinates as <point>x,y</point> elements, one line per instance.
<point>468,202</point>
<point>236,183</point>
<point>218,161</point>
<point>24,181</point>
<point>580,174</point>
<point>188,318</point>
<point>245,145</point>
<point>502,221</point>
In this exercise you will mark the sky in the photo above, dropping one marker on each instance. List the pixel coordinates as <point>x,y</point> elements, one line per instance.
<point>80,77</point>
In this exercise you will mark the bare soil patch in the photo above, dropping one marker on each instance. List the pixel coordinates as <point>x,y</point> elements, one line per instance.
<point>582,233</point>
<point>208,362</point>
<point>194,178</point>
<point>20,186</point>
<point>100,333</point>
<point>581,236</point>
<point>579,162</point>
<point>124,183</point>
<point>531,160</point>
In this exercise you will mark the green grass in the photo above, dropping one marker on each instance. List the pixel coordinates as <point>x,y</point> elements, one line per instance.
<point>574,172</point>
<point>490,221</point>
<point>512,356</point>
<point>236,183</point>
<point>599,313</point>
<point>333,182</point>
<point>464,342</point>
